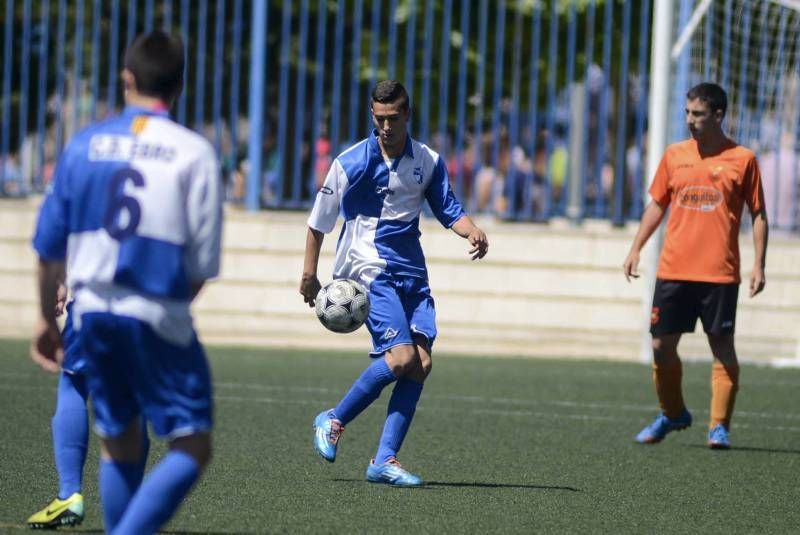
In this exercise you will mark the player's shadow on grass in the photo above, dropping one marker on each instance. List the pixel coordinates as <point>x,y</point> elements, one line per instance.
<point>477,484</point>
<point>734,449</point>
<point>22,527</point>
<point>179,532</point>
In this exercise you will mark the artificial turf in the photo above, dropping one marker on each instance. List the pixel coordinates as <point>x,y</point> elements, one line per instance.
<point>505,445</point>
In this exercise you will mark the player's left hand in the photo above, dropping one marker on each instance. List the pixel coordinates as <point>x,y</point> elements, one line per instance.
<point>757,281</point>
<point>46,349</point>
<point>480,244</point>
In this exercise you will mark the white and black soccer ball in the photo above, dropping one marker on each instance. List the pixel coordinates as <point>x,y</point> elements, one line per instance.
<point>342,305</point>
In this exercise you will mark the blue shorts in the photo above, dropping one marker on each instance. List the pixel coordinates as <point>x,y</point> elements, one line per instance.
<point>130,370</point>
<point>73,357</point>
<point>399,307</point>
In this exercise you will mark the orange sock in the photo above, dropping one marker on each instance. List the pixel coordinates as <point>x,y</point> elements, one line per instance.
<point>724,385</point>
<point>667,379</point>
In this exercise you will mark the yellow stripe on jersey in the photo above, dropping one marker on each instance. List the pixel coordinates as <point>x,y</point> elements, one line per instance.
<point>138,124</point>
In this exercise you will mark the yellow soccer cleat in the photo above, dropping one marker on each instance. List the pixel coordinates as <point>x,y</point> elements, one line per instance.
<point>67,512</point>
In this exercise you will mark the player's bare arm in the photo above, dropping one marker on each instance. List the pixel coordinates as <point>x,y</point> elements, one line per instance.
<point>651,218</point>
<point>760,237</point>
<point>46,350</point>
<point>465,228</point>
<point>309,283</point>
<point>61,298</point>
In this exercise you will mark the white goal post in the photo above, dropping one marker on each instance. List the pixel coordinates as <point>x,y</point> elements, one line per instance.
<point>751,49</point>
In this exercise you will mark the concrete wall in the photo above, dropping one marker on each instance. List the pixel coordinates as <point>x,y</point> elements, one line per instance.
<point>543,290</point>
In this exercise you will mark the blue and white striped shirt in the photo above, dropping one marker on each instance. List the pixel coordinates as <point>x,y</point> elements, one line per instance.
<point>136,214</point>
<point>381,202</point>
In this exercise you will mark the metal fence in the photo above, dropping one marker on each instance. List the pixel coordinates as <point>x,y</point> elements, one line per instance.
<point>538,107</point>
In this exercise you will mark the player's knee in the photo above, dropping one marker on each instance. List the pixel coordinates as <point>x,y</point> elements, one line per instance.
<point>663,345</point>
<point>402,360</point>
<point>403,369</point>
<point>127,446</point>
<point>198,446</point>
<point>426,363</point>
<point>723,348</point>
<point>427,367</point>
<point>664,352</point>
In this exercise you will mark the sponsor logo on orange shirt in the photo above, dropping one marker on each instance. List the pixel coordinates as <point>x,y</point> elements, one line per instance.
<point>700,198</point>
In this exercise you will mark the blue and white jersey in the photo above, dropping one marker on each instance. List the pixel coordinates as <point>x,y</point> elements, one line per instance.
<point>136,213</point>
<point>380,202</point>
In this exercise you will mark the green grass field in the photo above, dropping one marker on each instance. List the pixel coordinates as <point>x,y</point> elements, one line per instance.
<point>505,445</point>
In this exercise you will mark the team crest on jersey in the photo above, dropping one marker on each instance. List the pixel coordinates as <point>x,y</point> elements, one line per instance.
<point>418,174</point>
<point>715,170</point>
<point>700,198</point>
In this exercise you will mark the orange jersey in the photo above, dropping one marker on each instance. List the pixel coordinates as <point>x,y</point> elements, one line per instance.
<point>707,195</point>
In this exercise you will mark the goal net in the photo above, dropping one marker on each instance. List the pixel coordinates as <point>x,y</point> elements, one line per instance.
<point>751,48</point>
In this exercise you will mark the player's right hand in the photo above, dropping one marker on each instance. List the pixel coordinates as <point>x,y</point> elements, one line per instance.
<point>631,266</point>
<point>309,288</point>
<point>46,349</point>
<point>480,244</point>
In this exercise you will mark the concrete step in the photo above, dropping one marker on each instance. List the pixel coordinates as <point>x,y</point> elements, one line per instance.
<point>446,275</point>
<point>549,290</point>
<point>511,244</point>
<point>18,318</point>
<point>482,305</point>
<point>595,244</point>
<point>298,330</point>
<point>18,217</point>
<point>455,275</point>
<point>520,308</point>
<point>458,338</point>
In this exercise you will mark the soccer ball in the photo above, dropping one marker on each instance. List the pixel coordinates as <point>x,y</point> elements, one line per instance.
<point>342,305</point>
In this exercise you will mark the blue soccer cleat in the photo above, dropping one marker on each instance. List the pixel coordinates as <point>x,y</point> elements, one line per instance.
<point>656,431</point>
<point>327,431</point>
<point>392,473</point>
<point>718,438</point>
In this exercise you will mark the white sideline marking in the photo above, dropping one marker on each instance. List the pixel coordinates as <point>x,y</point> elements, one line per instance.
<point>468,399</point>
<point>601,405</point>
<point>256,386</point>
<point>650,408</point>
<point>492,412</point>
<point>513,401</point>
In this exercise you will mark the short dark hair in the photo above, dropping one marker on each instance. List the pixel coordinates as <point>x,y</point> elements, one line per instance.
<point>387,91</point>
<point>710,93</point>
<point>156,60</point>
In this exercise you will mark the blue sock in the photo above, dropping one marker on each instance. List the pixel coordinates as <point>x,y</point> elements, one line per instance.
<point>364,391</point>
<point>160,494</point>
<point>70,433</point>
<point>402,406</point>
<point>118,483</point>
